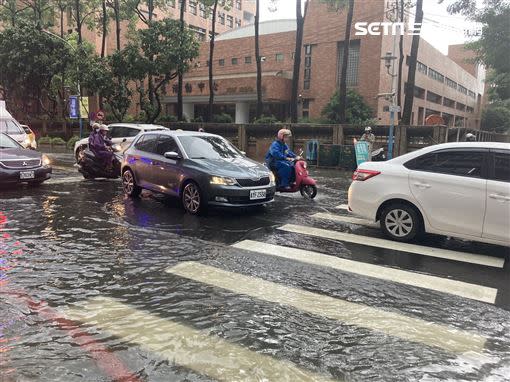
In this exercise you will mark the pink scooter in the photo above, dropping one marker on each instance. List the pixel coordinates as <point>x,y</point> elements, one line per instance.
<point>303,182</point>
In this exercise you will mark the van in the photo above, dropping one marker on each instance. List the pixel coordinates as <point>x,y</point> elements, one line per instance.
<point>13,128</point>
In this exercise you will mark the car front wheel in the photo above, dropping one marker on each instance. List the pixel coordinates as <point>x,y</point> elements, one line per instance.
<point>129,184</point>
<point>192,199</point>
<point>400,222</point>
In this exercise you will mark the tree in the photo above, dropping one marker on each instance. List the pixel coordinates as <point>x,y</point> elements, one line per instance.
<point>154,55</point>
<point>341,5</point>
<point>211,62</point>
<point>258,61</point>
<point>357,112</point>
<point>42,12</point>
<point>496,117</point>
<point>300,25</point>
<point>180,73</point>
<point>10,11</point>
<point>411,76</point>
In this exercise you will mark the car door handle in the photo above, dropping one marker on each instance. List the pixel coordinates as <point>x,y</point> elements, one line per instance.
<point>422,185</point>
<point>499,197</point>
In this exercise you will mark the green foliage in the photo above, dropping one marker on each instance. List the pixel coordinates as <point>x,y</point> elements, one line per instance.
<point>58,141</point>
<point>71,142</point>
<point>222,118</point>
<point>44,140</point>
<point>497,117</point>
<point>357,111</point>
<point>266,120</point>
<point>166,118</point>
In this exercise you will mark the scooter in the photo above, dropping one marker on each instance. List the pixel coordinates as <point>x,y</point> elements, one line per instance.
<point>378,155</point>
<point>302,180</point>
<point>91,168</point>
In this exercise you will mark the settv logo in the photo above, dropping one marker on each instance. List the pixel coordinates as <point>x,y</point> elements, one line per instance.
<point>386,28</point>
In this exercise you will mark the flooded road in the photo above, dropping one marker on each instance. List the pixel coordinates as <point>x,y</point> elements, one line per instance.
<point>98,287</point>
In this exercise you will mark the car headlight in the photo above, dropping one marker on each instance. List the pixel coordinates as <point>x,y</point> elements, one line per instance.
<point>222,181</point>
<point>45,160</point>
<point>272,178</point>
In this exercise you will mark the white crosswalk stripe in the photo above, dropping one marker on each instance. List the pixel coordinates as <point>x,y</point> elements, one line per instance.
<point>458,288</point>
<point>382,321</point>
<point>404,247</point>
<point>345,219</point>
<point>72,179</point>
<point>342,207</point>
<point>195,349</point>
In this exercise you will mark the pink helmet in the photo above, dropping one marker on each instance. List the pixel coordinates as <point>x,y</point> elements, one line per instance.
<point>283,132</point>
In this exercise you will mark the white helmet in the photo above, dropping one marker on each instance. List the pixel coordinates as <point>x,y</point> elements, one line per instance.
<point>103,127</point>
<point>368,129</point>
<point>470,137</point>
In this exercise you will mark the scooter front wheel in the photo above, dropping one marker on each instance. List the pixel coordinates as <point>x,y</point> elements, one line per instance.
<point>308,191</point>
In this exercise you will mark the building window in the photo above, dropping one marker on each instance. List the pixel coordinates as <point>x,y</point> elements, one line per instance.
<point>448,102</point>
<point>435,75</point>
<point>422,68</point>
<point>472,94</point>
<point>239,4</point>
<point>182,5</point>
<point>238,23</point>
<point>433,97</point>
<point>308,61</point>
<point>230,21</point>
<point>221,17</point>
<point>247,60</point>
<point>221,62</point>
<point>203,12</point>
<point>461,106</point>
<point>462,89</point>
<point>352,63</point>
<point>199,32</point>
<point>279,57</point>
<point>308,65</point>
<point>308,50</point>
<point>193,7</point>
<point>451,83</point>
<point>469,109</point>
<point>306,85</point>
<point>234,61</point>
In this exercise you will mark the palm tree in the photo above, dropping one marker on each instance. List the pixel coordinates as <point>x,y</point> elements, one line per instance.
<point>258,61</point>
<point>211,61</point>
<point>413,58</point>
<point>300,24</point>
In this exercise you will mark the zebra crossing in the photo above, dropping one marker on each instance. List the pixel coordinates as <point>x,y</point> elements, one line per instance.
<point>202,351</point>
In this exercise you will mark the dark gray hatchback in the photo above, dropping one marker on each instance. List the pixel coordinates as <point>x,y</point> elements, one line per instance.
<point>201,169</point>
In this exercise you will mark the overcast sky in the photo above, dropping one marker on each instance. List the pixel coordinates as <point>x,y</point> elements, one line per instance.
<point>439,27</point>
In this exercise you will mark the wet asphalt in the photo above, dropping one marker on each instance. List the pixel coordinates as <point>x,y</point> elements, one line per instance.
<point>71,240</point>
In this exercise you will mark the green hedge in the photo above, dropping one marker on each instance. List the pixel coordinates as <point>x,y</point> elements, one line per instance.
<point>71,142</point>
<point>45,140</point>
<point>58,141</point>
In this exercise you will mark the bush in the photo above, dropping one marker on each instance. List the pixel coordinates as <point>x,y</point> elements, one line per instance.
<point>71,142</point>
<point>58,141</point>
<point>166,118</point>
<point>266,120</point>
<point>45,140</point>
<point>129,119</point>
<point>198,119</point>
<point>222,118</point>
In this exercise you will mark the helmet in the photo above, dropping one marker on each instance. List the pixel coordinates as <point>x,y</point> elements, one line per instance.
<point>368,129</point>
<point>103,127</point>
<point>96,125</point>
<point>282,133</point>
<point>470,137</point>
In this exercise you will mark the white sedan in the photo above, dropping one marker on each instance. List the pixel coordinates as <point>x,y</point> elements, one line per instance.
<point>120,133</point>
<point>453,189</point>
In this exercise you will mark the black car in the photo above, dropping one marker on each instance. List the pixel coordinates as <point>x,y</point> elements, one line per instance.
<point>20,165</point>
<point>201,169</point>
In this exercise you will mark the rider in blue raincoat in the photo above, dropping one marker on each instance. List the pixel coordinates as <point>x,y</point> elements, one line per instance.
<point>281,158</point>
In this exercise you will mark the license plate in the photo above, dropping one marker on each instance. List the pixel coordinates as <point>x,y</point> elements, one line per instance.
<point>257,194</point>
<point>26,175</point>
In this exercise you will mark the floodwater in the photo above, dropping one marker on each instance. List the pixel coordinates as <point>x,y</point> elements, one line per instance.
<point>98,287</point>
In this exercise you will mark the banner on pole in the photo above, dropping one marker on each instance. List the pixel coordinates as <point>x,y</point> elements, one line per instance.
<point>74,108</point>
<point>362,152</point>
<point>84,107</point>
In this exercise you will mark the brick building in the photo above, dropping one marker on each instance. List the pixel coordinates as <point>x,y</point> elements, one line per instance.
<point>445,85</point>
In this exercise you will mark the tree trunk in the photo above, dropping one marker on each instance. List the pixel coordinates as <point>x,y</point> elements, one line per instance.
<point>116,11</point>
<point>78,22</point>
<point>300,23</point>
<point>62,22</point>
<point>104,21</point>
<point>258,61</point>
<point>345,62</point>
<point>211,64</point>
<point>150,80</point>
<point>401,61</point>
<point>413,58</point>
<point>180,115</point>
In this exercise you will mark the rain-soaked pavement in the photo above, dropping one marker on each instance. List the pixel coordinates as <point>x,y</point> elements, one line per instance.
<point>98,287</point>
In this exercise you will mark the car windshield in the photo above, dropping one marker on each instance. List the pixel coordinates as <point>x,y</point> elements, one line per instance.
<point>7,143</point>
<point>9,126</point>
<point>208,147</point>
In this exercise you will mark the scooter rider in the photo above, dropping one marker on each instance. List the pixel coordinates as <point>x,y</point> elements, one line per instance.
<point>470,137</point>
<point>100,144</point>
<point>281,158</point>
<point>368,137</point>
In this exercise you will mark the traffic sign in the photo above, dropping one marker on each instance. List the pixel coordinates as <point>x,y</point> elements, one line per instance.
<point>74,109</point>
<point>395,108</point>
<point>100,115</point>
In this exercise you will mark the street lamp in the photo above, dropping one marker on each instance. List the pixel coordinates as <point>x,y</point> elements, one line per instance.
<point>77,72</point>
<point>389,59</point>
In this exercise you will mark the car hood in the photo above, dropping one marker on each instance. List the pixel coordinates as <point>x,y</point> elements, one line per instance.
<point>234,168</point>
<point>20,153</point>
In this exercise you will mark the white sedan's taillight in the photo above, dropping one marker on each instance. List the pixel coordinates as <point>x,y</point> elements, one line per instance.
<point>363,175</point>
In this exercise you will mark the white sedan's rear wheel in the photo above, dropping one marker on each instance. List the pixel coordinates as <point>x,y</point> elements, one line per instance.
<point>400,222</point>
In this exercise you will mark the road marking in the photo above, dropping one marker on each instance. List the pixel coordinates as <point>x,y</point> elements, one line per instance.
<point>404,247</point>
<point>72,179</point>
<point>346,219</point>
<point>342,207</point>
<point>393,324</point>
<point>458,288</point>
<point>198,350</point>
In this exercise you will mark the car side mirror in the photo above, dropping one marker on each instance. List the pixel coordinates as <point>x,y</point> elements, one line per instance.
<point>124,140</point>
<point>172,155</point>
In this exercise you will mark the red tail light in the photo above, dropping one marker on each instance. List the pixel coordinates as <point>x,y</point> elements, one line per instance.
<point>363,175</point>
